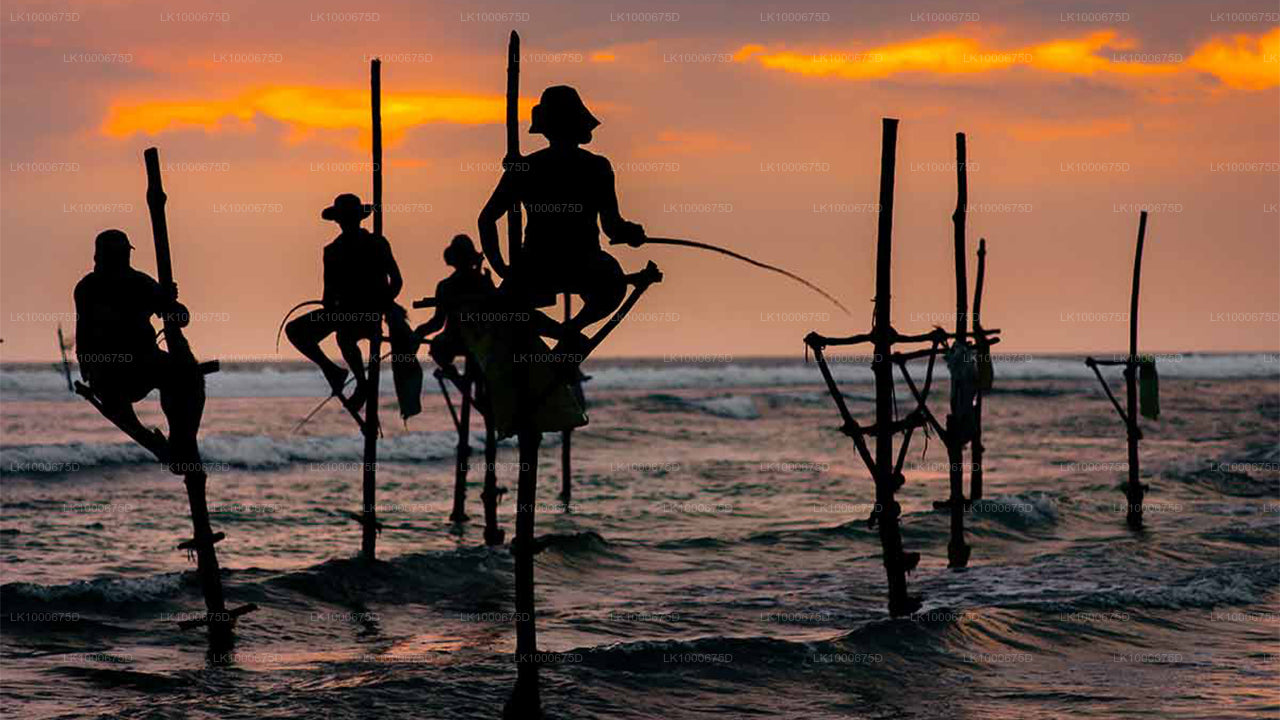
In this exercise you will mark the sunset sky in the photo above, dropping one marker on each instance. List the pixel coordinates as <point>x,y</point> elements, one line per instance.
<point>748,124</point>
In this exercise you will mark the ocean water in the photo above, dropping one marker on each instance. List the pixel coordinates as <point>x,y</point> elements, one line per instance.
<point>715,561</point>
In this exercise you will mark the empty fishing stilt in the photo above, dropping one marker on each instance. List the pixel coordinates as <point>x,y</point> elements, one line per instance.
<point>884,469</point>
<point>962,369</point>
<point>1134,367</point>
<point>882,336</point>
<point>985,371</point>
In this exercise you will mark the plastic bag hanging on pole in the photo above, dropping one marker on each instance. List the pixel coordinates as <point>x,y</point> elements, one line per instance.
<point>1148,388</point>
<point>986,369</point>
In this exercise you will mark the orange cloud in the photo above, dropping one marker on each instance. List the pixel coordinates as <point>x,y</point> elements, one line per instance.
<point>306,109</point>
<point>1243,64</point>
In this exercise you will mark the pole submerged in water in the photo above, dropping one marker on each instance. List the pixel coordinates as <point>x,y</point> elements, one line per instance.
<point>975,474</point>
<point>462,460</point>
<point>957,420</point>
<point>883,336</point>
<point>1134,491</point>
<point>525,701</point>
<point>566,436</point>
<point>369,513</point>
<point>182,446</point>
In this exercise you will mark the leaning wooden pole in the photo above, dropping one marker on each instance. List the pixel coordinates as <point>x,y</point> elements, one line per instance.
<point>1134,492</point>
<point>957,549</point>
<point>218,621</point>
<point>66,366</point>
<point>883,336</point>
<point>975,473</point>
<point>369,513</point>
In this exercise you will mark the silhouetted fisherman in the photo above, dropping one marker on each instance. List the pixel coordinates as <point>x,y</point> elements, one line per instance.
<point>564,189</point>
<point>361,281</point>
<point>466,287</point>
<point>117,351</point>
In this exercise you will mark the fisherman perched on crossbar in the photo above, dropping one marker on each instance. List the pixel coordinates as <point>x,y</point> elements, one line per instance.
<point>565,191</point>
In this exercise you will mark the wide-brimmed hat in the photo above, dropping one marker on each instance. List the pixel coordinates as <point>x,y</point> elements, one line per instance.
<point>462,252</point>
<point>111,240</point>
<point>345,206</point>
<point>560,108</point>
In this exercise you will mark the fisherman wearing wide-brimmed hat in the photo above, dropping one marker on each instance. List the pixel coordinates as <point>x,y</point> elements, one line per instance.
<point>565,191</point>
<point>466,286</point>
<point>361,282</point>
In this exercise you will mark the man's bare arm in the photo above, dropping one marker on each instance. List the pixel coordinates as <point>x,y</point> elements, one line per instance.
<point>611,221</point>
<point>396,282</point>
<point>499,202</point>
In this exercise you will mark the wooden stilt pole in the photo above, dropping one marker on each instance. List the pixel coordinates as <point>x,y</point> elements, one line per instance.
<point>463,459</point>
<point>975,477</point>
<point>1135,491</point>
<point>184,421</point>
<point>957,550</point>
<point>883,333</point>
<point>525,701</point>
<point>493,534</point>
<point>566,437</point>
<point>369,513</point>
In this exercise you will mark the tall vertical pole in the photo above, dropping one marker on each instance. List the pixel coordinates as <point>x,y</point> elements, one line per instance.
<point>462,461</point>
<point>883,337</point>
<point>975,478</point>
<point>1134,492</point>
<point>566,436</point>
<point>525,700</point>
<point>493,535</point>
<point>957,549</point>
<point>515,223</point>
<point>369,515</point>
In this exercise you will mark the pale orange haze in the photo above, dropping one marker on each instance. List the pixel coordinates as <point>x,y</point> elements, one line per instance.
<point>735,123</point>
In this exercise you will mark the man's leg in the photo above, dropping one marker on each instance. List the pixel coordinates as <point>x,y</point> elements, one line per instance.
<point>349,344</point>
<point>602,285</point>
<point>306,333</point>
<point>120,412</point>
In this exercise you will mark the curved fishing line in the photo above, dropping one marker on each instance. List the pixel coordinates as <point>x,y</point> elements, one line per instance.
<point>750,261</point>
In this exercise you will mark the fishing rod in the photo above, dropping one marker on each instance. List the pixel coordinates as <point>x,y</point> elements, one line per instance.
<point>324,402</point>
<point>744,258</point>
<point>285,320</point>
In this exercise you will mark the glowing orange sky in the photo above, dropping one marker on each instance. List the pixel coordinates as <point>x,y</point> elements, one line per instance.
<point>722,127</point>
